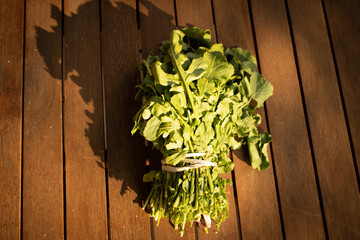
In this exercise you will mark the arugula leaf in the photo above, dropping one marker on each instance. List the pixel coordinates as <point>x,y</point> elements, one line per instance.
<point>257,146</point>
<point>260,88</point>
<point>219,69</point>
<point>163,78</point>
<point>198,37</point>
<point>242,60</point>
<point>196,69</point>
<point>205,86</point>
<point>151,129</point>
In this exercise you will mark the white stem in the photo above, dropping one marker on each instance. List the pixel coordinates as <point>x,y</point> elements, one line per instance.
<point>206,220</point>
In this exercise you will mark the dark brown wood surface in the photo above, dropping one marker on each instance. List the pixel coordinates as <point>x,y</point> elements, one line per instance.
<point>299,199</point>
<point>343,22</point>
<point>195,13</point>
<point>11,87</point>
<point>86,210</point>
<point>70,169</point>
<point>43,212</point>
<point>330,139</point>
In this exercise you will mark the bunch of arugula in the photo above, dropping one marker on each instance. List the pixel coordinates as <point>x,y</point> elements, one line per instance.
<point>198,98</point>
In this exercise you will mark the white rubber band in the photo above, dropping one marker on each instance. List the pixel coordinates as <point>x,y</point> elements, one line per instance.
<point>195,163</point>
<point>195,154</point>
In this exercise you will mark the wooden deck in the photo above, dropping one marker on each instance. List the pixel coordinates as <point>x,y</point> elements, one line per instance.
<point>69,168</point>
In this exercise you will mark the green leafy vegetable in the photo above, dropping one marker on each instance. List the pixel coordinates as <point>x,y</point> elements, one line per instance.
<point>197,100</point>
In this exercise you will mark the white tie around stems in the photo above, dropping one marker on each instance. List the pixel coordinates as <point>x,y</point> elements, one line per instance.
<point>194,163</point>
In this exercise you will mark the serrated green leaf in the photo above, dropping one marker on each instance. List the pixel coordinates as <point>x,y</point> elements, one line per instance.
<point>217,47</point>
<point>178,101</point>
<point>218,68</point>
<point>158,109</point>
<point>205,86</point>
<point>163,78</point>
<point>224,107</point>
<point>260,89</point>
<point>196,69</point>
<point>198,37</point>
<point>257,145</point>
<point>242,60</point>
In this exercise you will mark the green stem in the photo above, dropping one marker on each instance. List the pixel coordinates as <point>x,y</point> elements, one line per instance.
<point>191,146</point>
<point>182,120</point>
<point>192,187</point>
<point>148,198</point>
<point>186,86</point>
<point>177,200</point>
<point>197,185</point>
<point>147,67</point>
<point>210,181</point>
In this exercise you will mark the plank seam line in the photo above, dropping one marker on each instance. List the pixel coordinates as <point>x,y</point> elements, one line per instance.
<point>236,199</point>
<point>22,131</point>
<point>268,127</point>
<point>214,20</point>
<point>102,79</point>
<point>356,167</point>
<point>63,113</point>
<point>306,118</point>
<point>196,225</point>
<point>137,14</point>
<point>175,14</point>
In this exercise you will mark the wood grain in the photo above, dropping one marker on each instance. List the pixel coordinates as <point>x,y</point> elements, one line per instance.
<point>291,149</point>
<point>125,153</point>
<point>330,139</point>
<point>43,213</point>
<point>11,79</point>
<point>196,13</point>
<point>199,14</point>
<point>86,212</point>
<point>155,13</point>
<point>234,30</point>
<point>343,19</point>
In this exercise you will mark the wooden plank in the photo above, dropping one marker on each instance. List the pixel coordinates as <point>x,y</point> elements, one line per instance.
<point>86,211</point>
<point>329,135</point>
<point>195,13</point>
<point>162,15</point>
<point>11,78</point>
<point>125,153</point>
<point>43,212</point>
<point>199,14</point>
<point>155,13</point>
<point>344,19</point>
<point>292,156</point>
<point>253,187</point>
